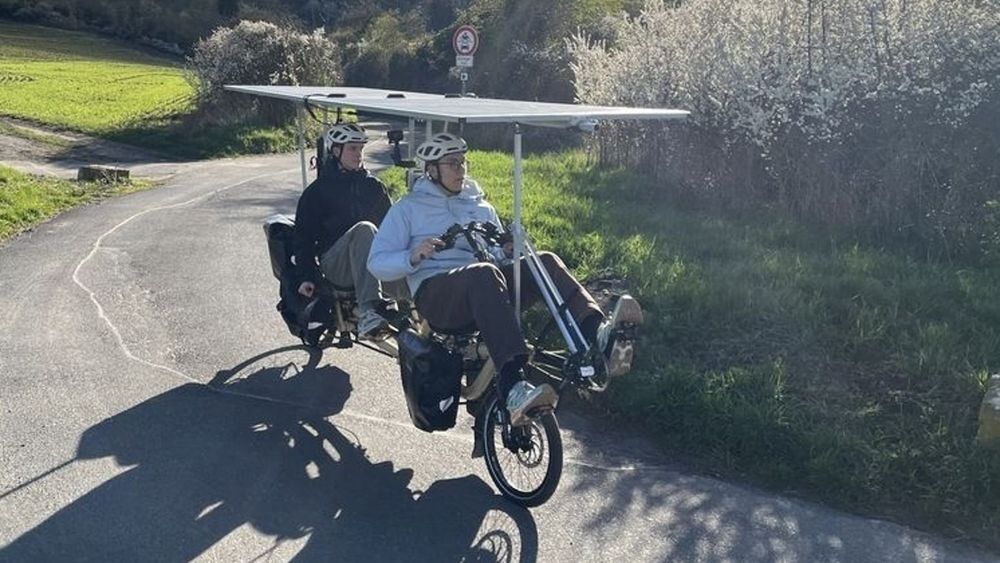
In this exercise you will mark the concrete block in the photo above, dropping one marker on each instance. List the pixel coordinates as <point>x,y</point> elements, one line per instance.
<point>989,415</point>
<point>101,173</point>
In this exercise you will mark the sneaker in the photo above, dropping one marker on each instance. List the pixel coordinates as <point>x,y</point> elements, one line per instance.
<point>612,339</point>
<point>372,326</point>
<point>387,308</point>
<point>525,397</point>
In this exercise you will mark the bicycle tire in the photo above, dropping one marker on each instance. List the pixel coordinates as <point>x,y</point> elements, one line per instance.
<point>501,461</point>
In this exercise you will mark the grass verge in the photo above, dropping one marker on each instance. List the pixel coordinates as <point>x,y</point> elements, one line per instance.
<point>800,360</point>
<point>27,200</point>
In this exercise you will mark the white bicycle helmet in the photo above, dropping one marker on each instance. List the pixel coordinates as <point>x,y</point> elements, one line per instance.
<point>441,145</point>
<point>343,133</point>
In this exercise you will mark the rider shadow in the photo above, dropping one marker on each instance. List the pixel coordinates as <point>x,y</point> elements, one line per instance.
<point>202,463</point>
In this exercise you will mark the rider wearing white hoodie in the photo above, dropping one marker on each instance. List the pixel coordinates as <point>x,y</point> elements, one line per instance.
<point>453,290</point>
<point>426,213</point>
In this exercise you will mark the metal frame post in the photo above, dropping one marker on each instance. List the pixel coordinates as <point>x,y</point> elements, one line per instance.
<point>413,139</point>
<point>522,247</point>
<point>517,226</point>
<point>300,118</point>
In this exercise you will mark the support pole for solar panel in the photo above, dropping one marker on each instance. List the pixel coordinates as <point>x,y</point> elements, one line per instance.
<point>428,130</point>
<point>516,227</point>
<point>302,144</point>
<point>413,139</point>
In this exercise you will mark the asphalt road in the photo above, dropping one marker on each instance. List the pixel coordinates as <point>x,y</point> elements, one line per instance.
<point>154,408</point>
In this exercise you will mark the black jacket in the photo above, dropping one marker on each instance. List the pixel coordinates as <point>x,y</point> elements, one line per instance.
<point>328,207</point>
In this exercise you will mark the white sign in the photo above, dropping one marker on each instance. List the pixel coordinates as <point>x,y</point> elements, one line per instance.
<point>464,76</point>
<point>463,60</point>
<point>465,40</point>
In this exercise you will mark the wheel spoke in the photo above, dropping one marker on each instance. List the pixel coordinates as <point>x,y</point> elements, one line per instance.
<point>530,470</point>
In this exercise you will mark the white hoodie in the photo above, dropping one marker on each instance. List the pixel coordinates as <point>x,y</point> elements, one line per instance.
<point>427,212</point>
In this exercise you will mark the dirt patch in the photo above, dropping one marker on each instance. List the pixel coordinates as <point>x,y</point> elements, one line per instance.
<point>41,150</point>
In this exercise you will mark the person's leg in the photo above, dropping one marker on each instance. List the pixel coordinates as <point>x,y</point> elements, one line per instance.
<point>474,297</point>
<point>477,295</point>
<point>611,336</point>
<point>581,304</point>
<point>344,264</point>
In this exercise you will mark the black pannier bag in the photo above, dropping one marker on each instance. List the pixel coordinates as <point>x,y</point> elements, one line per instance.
<point>432,381</point>
<point>280,230</point>
<point>305,317</point>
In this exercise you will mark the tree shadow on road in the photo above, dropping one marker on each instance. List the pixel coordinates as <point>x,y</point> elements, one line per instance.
<point>701,518</point>
<point>203,462</point>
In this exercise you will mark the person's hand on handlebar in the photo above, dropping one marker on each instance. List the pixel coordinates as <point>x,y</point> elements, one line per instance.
<point>424,250</point>
<point>307,288</point>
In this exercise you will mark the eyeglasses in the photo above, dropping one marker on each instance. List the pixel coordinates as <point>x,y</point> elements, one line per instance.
<point>454,164</point>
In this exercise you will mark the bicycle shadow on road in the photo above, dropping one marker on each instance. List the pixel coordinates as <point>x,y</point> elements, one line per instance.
<point>204,463</point>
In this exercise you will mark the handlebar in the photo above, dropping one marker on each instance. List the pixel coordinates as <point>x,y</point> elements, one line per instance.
<point>489,233</point>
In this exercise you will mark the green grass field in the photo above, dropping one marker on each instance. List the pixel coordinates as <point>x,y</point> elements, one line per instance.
<point>27,200</point>
<point>82,82</point>
<point>102,87</point>
<point>800,360</point>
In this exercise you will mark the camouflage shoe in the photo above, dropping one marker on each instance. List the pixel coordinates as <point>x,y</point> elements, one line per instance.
<point>615,336</point>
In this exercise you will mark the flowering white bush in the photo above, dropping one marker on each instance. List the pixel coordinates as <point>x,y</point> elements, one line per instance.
<point>872,111</point>
<point>255,52</point>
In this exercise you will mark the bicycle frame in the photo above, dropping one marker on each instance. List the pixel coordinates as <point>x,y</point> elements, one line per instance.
<point>568,328</point>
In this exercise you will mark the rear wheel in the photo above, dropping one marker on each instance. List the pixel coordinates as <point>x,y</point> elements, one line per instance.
<point>525,462</point>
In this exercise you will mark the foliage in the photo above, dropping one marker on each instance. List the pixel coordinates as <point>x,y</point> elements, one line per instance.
<point>259,53</point>
<point>389,53</point>
<point>801,358</point>
<point>405,44</point>
<point>168,25</point>
<point>524,53</point>
<point>82,82</point>
<point>878,115</point>
<point>28,200</point>
<point>98,86</point>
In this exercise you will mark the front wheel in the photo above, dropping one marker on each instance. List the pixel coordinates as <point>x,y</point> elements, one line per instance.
<point>525,462</point>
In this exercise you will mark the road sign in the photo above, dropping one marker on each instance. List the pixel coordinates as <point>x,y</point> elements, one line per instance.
<point>465,40</point>
<point>463,60</point>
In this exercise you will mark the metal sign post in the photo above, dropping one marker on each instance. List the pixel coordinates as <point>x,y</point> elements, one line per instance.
<point>465,41</point>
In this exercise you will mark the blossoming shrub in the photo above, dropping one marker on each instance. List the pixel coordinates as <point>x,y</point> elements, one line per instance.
<point>880,114</point>
<point>256,52</point>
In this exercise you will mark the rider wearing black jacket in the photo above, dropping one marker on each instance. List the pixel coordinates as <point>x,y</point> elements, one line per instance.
<point>337,217</point>
<point>332,204</point>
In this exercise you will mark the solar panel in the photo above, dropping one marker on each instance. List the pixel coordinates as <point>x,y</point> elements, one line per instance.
<point>436,107</point>
<point>299,93</point>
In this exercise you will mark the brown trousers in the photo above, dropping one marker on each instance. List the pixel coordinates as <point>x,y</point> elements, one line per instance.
<point>477,297</point>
